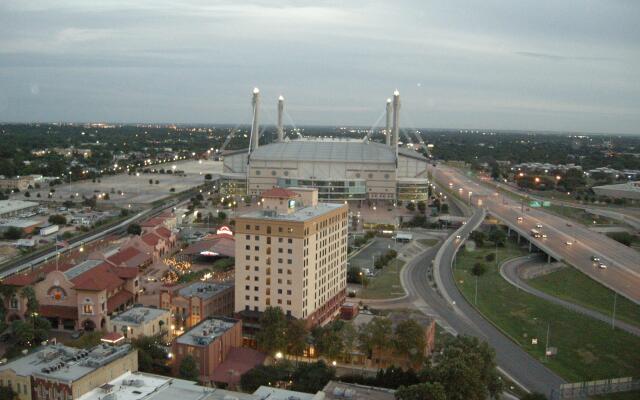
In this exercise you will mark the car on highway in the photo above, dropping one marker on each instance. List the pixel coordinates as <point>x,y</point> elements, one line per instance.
<point>458,237</point>
<point>544,235</point>
<point>595,258</point>
<point>568,243</point>
<point>520,219</point>
<point>539,225</point>
<point>602,266</point>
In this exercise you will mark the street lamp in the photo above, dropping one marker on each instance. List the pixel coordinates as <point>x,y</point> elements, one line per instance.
<point>470,193</point>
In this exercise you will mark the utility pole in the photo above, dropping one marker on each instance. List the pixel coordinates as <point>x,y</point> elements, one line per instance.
<point>546,346</point>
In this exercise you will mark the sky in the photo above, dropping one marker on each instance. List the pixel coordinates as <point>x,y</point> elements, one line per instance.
<point>569,66</point>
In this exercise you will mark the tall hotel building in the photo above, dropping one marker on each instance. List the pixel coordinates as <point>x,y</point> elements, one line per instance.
<point>292,254</point>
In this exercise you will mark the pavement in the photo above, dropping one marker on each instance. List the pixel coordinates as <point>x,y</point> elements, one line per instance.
<point>623,272</point>
<point>511,271</point>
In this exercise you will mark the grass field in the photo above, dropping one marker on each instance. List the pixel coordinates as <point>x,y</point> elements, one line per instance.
<point>587,349</point>
<point>428,242</point>
<point>581,216</point>
<point>574,286</point>
<point>386,285</point>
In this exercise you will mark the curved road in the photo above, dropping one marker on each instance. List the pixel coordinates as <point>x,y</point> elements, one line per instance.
<point>509,271</point>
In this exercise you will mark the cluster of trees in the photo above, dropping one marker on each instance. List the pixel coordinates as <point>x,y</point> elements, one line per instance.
<point>384,259</point>
<point>58,219</point>
<point>152,357</point>
<point>622,237</point>
<point>304,377</point>
<point>24,333</point>
<point>338,339</point>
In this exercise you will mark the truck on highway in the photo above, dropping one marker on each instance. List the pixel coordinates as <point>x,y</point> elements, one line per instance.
<point>535,233</point>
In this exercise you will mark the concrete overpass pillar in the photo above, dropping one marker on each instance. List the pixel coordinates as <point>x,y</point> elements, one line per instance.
<point>508,231</point>
<point>548,259</point>
<point>529,246</point>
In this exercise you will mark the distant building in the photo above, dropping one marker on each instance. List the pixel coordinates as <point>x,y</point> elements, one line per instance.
<point>210,343</point>
<point>629,190</point>
<point>21,183</point>
<point>27,226</point>
<point>141,321</point>
<point>192,303</point>
<point>292,254</point>
<point>14,208</point>
<point>57,372</point>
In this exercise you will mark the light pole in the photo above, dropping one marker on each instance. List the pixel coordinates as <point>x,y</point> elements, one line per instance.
<point>613,315</point>
<point>470,193</point>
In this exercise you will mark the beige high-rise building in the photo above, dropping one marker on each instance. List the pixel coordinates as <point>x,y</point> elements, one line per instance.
<point>292,254</point>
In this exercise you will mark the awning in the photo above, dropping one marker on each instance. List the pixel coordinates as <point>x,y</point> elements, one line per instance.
<point>118,299</point>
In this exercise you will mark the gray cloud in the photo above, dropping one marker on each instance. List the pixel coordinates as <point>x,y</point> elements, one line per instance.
<point>571,65</point>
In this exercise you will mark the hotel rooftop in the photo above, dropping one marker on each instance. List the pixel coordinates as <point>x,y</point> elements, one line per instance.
<point>206,331</point>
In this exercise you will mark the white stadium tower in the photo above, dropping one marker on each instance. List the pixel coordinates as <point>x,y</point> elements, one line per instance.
<point>341,169</point>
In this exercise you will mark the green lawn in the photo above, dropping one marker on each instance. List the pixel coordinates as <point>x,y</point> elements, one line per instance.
<point>386,285</point>
<point>581,216</point>
<point>576,287</point>
<point>428,242</point>
<point>587,349</point>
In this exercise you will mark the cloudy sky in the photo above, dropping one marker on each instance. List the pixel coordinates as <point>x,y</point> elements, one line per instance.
<point>570,65</point>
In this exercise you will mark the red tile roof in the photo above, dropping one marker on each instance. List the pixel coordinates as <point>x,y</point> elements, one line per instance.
<point>129,257</point>
<point>222,244</point>
<point>112,337</point>
<point>151,238</point>
<point>118,299</point>
<point>279,193</point>
<point>32,277</point>
<point>163,231</point>
<point>64,312</point>
<point>238,361</point>
<point>126,272</point>
<point>153,222</point>
<point>101,277</point>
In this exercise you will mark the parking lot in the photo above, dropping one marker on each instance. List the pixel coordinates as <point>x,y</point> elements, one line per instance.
<point>124,189</point>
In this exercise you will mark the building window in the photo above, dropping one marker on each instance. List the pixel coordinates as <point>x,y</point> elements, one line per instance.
<point>87,308</point>
<point>289,240</point>
<point>14,303</point>
<point>247,227</point>
<point>257,172</point>
<point>247,247</point>
<point>273,173</point>
<point>286,173</point>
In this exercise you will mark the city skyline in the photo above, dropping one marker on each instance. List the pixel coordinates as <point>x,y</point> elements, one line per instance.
<point>539,66</point>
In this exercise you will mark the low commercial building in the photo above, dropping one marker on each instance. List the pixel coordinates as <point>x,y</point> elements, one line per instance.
<point>141,321</point>
<point>197,301</point>
<point>208,343</point>
<point>630,190</point>
<point>142,386</point>
<point>66,373</point>
<point>335,390</point>
<point>27,226</point>
<point>13,208</point>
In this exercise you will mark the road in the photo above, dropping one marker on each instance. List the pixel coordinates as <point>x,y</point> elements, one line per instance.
<point>451,310</point>
<point>623,272</point>
<point>510,272</point>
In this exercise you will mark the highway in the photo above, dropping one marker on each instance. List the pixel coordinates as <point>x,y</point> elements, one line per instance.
<point>569,241</point>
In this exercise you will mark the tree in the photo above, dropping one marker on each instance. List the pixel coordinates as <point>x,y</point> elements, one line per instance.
<point>7,393</point>
<point>27,194</point>
<point>222,215</point>
<point>422,206</point>
<point>189,369</point>
<point>273,325</point>
<point>208,177</point>
<point>444,208</point>
<point>296,337</point>
<point>478,237</point>
<point>409,340</point>
<point>13,233</point>
<point>421,391</point>
<point>354,275</point>
<point>621,237</point>
<point>478,269</point>
<point>467,370</point>
<point>375,334</point>
<point>411,206</point>
<point>328,340</point>
<point>134,229</point>
<point>498,236</point>
<point>58,219</point>
<point>29,293</point>
<point>311,378</point>
<point>264,375</point>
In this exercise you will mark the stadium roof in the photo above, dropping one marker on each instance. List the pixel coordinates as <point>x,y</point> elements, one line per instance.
<point>330,150</point>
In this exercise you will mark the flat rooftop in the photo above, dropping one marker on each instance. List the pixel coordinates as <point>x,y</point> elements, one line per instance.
<point>20,223</point>
<point>339,390</point>
<point>138,386</point>
<point>204,290</point>
<point>7,206</point>
<point>206,331</point>
<point>65,363</point>
<point>272,393</point>
<point>299,215</point>
<point>139,315</point>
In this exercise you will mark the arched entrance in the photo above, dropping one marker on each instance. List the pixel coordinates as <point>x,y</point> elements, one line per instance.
<point>89,326</point>
<point>103,324</point>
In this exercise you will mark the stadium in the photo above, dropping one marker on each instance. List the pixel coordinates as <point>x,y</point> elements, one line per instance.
<point>341,169</point>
